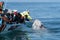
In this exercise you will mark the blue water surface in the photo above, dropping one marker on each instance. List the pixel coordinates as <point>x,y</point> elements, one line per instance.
<point>48,13</point>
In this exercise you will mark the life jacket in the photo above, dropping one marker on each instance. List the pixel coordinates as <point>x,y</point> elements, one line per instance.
<point>28,16</point>
<point>24,13</point>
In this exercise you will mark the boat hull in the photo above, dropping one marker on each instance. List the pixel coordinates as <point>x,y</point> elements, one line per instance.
<point>22,27</point>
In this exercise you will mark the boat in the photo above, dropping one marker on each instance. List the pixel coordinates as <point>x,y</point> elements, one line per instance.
<point>20,27</point>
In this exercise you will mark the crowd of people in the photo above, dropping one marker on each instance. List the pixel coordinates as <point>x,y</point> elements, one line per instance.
<point>8,16</point>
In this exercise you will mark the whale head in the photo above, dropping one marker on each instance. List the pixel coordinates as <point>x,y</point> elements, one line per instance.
<point>37,25</point>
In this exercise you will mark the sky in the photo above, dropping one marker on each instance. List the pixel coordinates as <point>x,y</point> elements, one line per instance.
<point>31,0</point>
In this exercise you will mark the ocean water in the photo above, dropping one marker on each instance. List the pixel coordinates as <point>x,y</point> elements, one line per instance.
<point>48,13</point>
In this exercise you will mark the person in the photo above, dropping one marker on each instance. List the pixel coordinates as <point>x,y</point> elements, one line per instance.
<point>15,12</point>
<point>26,15</point>
<point>21,18</point>
<point>18,18</point>
<point>15,16</point>
<point>2,25</point>
<point>5,11</point>
<point>9,17</point>
<point>1,7</point>
<point>4,18</point>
